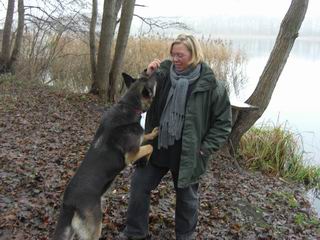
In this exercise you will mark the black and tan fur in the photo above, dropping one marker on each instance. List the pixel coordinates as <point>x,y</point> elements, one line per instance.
<point>116,144</point>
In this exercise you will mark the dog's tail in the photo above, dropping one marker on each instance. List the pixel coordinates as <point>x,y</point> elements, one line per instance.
<point>64,230</point>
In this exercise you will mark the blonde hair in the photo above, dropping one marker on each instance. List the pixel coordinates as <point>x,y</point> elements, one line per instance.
<point>192,45</point>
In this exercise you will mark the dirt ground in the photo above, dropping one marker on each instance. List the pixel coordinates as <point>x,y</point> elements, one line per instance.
<point>44,135</point>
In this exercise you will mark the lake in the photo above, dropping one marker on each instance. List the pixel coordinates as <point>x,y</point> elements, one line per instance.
<point>296,97</point>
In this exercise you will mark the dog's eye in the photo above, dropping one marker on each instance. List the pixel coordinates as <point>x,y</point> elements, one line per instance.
<point>146,93</point>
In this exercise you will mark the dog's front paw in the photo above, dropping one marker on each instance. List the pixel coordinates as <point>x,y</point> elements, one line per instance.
<point>144,151</point>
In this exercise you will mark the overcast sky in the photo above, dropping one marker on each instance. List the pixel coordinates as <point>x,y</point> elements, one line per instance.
<point>221,7</point>
<point>179,8</point>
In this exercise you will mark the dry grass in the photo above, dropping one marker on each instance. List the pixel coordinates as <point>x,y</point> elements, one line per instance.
<point>277,151</point>
<point>65,62</point>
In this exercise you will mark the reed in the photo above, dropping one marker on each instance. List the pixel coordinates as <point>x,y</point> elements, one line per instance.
<point>64,60</point>
<point>278,151</point>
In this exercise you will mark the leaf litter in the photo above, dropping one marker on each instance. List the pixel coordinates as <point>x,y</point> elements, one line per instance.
<point>45,134</point>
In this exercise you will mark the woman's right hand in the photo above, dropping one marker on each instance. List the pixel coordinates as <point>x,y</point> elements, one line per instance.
<point>153,66</point>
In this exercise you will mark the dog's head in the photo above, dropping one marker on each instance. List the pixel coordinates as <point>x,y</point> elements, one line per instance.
<point>143,88</point>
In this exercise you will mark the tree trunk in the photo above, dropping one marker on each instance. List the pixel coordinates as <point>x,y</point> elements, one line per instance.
<point>118,6</point>
<point>261,96</point>
<point>19,37</point>
<point>104,54</point>
<point>92,43</point>
<point>121,44</point>
<point>6,43</point>
<point>94,86</point>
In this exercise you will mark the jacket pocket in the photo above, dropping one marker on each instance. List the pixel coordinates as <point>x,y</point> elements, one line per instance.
<point>201,165</point>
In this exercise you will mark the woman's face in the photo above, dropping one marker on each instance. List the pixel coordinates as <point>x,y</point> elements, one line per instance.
<point>181,56</point>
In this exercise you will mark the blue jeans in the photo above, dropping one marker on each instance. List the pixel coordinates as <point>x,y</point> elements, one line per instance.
<point>143,181</point>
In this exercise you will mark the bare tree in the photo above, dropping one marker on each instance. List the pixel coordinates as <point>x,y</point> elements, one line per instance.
<point>104,52</point>
<point>6,39</point>
<point>105,75</point>
<point>19,36</point>
<point>289,28</point>
<point>43,14</point>
<point>92,44</point>
<point>121,44</point>
<point>162,23</point>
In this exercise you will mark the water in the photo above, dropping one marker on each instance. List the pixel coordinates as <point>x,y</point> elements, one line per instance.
<point>296,97</point>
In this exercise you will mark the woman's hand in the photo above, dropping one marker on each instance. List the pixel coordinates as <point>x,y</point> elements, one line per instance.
<point>153,66</point>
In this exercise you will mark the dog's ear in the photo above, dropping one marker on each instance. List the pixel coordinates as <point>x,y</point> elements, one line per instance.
<point>128,80</point>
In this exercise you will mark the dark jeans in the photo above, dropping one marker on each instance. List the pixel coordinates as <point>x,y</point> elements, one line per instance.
<point>144,180</point>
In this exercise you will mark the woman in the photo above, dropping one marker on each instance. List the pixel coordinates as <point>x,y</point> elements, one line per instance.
<point>192,110</point>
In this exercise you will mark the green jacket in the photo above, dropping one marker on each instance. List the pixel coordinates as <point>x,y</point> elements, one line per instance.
<point>207,121</point>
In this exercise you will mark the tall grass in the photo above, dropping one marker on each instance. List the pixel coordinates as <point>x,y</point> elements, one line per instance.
<point>63,60</point>
<point>141,51</point>
<point>277,151</point>
<point>55,59</point>
<point>70,69</point>
<point>227,63</point>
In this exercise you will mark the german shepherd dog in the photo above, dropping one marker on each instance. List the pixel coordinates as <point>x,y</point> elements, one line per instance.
<point>116,143</point>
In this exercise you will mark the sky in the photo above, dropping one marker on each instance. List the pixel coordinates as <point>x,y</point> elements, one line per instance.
<point>182,8</point>
<point>179,8</point>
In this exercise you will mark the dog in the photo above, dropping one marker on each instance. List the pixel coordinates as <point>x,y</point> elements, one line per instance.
<point>116,144</point>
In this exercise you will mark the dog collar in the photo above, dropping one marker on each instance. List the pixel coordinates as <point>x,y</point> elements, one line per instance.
<point>138,111</point>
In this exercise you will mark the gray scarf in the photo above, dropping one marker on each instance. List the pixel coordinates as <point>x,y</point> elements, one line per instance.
<point>172,117</point>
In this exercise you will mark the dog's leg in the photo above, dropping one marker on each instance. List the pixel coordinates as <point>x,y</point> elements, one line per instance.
<point>67,234</point>
<point>88,225</point>
<point>64,230</point>
<point>151,136</point>
<point>144,151</point>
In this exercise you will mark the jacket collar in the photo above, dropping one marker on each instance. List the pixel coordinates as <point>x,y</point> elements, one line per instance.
<point>206,80</point>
